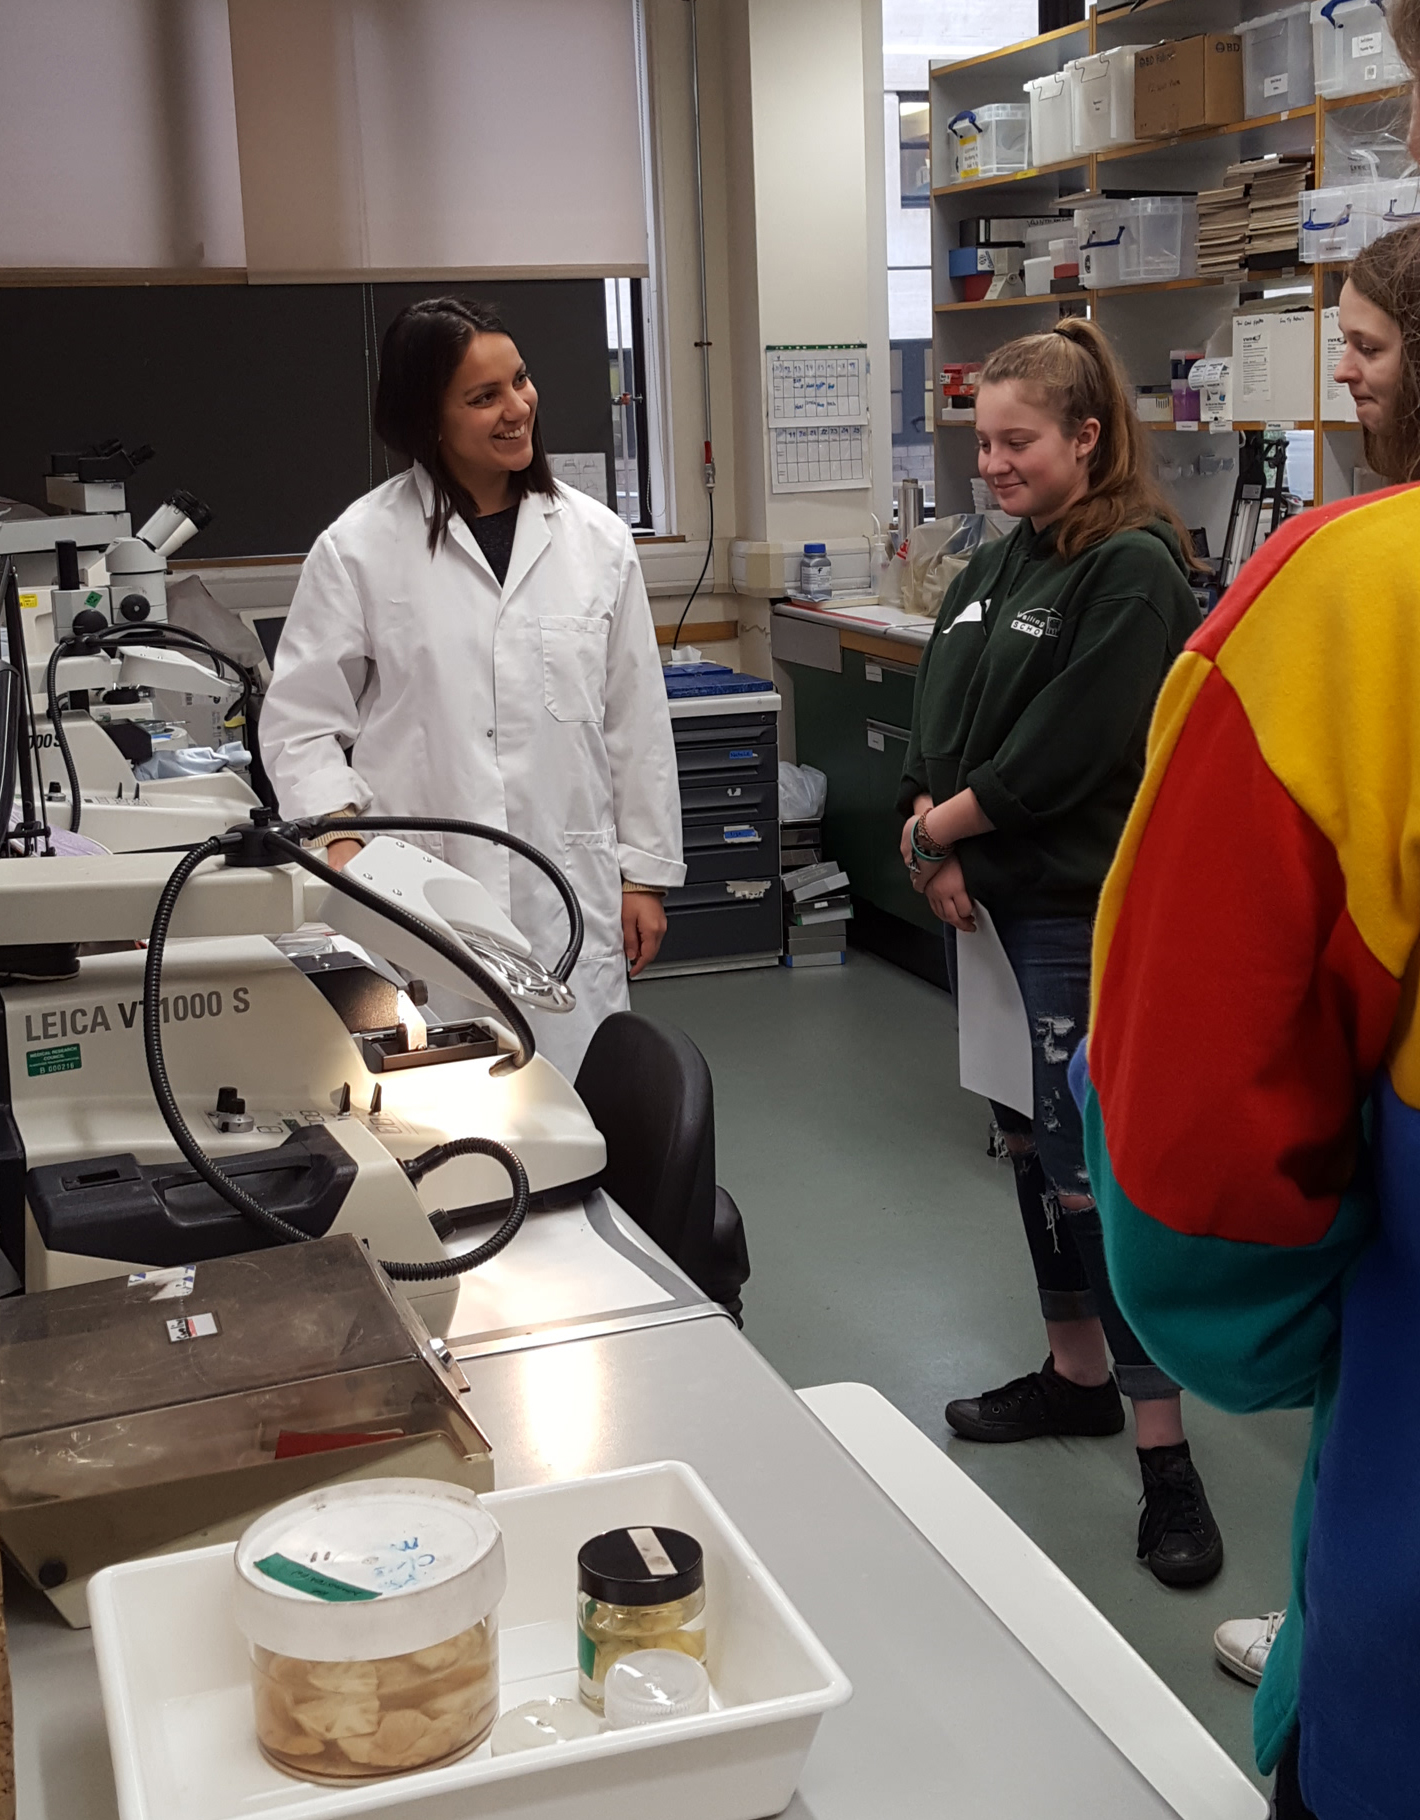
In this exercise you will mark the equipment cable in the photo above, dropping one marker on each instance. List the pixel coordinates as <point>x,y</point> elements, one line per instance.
<point>440,824</point>
<point>273,839</point>
<point>708,469</point>
<point>704,567</point>
<point>113,641</point>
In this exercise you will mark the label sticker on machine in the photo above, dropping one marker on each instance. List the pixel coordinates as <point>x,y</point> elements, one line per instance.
<point>193,1327</point>
<point>53,1061</point>
<point>169,1285</point>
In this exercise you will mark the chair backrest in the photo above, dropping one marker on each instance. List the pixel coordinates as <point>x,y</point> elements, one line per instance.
<point>648,1090</point>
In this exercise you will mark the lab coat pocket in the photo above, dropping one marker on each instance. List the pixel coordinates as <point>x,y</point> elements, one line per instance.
<point>594,872</point>
<point>574,667</point>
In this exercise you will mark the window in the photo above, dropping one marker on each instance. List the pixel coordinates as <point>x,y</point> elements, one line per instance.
<point>626,367</point>
<point>914,151</point>
<point>917,34</point>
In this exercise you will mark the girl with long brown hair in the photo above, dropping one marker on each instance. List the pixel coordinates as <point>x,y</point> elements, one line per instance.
<point>1380,319</point>
<point>1028,740</point>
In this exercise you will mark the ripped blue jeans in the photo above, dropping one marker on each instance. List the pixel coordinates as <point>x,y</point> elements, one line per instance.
<point>1050,957</point>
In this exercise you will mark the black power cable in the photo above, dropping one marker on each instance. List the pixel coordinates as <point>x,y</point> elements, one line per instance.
<point>273,839</point>
<point>440,824</point>
<point>459,957</point>
<point>117,639</point>
<point>704,569</point>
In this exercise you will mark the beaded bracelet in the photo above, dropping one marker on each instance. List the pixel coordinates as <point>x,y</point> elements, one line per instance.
<point>932,853</point>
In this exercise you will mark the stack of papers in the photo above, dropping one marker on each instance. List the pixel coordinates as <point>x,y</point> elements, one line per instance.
<point>1251,218</point>
<point>1222,230</point>
<point>1273,185</point>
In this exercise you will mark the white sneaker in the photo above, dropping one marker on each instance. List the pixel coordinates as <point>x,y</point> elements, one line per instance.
<point>1242,1645</point>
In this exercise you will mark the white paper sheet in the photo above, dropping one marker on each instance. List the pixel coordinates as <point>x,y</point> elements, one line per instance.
<point>991,1020</point>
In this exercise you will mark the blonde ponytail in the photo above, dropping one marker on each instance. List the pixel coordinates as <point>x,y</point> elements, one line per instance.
<point>1074,375</point>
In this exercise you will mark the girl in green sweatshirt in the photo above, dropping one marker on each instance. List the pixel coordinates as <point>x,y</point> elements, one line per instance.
<point>1028,740</point>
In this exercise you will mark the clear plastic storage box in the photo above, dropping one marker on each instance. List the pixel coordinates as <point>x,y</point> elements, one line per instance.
<point>990,141</point>
<point>1335,223</point>
<point>1277,61</point>
<point>1100,228</point>
<point>1352,47</point>
<point>1160,239</point>
<point>1397,203</point>
<point>1051,131</point>
<point>1102,98</point>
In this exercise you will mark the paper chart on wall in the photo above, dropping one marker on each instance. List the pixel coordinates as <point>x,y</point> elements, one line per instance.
<point>822,458</point>
<point>816,385</point>
<point>993,1030</point>
<point>816,403</point>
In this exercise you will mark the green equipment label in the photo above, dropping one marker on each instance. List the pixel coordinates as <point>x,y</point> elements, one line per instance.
<point>54,1061</point>
<point>311,1580</point>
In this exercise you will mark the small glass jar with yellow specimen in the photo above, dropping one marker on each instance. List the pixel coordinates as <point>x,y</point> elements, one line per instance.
<point>637,1588</point>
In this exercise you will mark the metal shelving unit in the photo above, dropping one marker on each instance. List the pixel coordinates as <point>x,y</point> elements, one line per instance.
<point>1143,321</point>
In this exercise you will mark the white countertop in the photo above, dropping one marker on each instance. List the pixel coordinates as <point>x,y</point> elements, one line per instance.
<point>862,613</point>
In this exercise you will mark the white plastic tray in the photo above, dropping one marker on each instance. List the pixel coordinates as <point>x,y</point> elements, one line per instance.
<point>177,1699</point>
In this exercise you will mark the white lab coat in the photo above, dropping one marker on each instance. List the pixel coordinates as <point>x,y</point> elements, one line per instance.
<point>539,708</point>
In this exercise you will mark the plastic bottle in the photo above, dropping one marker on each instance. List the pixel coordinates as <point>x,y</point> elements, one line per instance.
<point>815,573</point>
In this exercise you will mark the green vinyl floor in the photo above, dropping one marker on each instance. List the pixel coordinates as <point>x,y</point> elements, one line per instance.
<point>886,1248</point>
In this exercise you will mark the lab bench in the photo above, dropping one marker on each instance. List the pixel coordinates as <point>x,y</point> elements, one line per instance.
<point>727,913</point>
<point>989,1689</point>
<point>853,683</point>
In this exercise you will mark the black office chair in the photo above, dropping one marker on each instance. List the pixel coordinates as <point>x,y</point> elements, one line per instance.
<point>648,1090</point>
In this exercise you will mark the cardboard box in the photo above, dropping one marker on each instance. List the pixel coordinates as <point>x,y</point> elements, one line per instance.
<point>1187,83</point>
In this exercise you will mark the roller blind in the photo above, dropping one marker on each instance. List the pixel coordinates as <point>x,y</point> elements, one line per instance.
<point>385,138</point>
<point>118,142</point>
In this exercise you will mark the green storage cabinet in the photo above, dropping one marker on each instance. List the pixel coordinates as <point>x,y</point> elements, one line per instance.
<point>855,731</point>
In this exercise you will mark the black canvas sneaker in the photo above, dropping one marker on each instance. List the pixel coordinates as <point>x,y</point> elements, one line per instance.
<point>1041,1403</point>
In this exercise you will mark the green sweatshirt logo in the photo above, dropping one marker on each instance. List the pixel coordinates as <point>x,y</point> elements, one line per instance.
<point>1039,622</point>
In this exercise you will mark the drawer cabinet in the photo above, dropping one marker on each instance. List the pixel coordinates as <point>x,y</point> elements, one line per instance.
<point>728,911</point>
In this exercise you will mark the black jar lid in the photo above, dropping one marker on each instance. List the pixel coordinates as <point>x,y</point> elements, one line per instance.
<point>640,1566</point>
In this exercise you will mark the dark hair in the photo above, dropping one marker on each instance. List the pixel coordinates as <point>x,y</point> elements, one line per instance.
<point>419,356</point>
<point>1074,375</point>
<point>1387,274</point>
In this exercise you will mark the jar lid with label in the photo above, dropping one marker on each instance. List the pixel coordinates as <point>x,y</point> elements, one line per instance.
<point>641,1566</point>
<point>380,1567</point>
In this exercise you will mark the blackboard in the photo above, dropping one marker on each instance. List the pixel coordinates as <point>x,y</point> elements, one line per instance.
<point>257,397</point>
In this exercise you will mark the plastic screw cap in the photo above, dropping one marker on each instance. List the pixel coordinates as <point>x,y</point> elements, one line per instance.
<point>654,1684</point>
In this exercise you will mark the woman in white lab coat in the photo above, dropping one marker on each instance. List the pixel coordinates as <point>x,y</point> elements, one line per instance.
<point>474,640</point>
